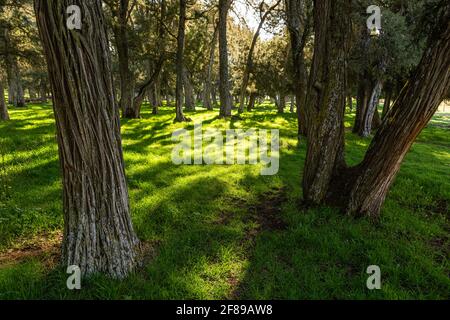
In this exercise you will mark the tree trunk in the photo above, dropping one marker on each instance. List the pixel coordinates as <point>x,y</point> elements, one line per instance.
<point>281,103</point>
<point>209,70</point>
<point>326,98</point>
<point>3,108</point>
<point>120,28</point>
<point>43,91</point>
<point>296,18</point>
<point>98,233</point>
<point>362,101</point>
<point>189,99</point>
<point>180,63</point>
<point>292,107</point>
<point>371,109</point>
<point>224,85</point>
<point>387,101</point>
<point>251,101</point>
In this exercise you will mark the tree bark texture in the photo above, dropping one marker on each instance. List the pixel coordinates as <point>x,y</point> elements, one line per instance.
<point>326,98</point>
<point>98,232</point>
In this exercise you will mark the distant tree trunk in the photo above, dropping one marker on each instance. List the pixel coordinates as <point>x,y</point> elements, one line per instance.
<point>153,82</point>
<point>120,29</point>
<point>350,101</point>
<point>292,106</point>
<point>281,103</point>
<point>387,101</point>
<point>3,108</point>
<point>180,63</point>
<point>362,101</point>
<point>207,89</point>
<point>43,91</point>
<point>296,18</point>
<point>249,63</point>
<point>98,233</point>
<point>189,98</point>
<point>214,95</point>
<point>224,85</point>
<point>15,89</point>
<point>371,109</point>
<point>251,101</point>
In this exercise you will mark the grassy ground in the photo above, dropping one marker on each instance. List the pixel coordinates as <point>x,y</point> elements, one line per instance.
<point>220,232</point>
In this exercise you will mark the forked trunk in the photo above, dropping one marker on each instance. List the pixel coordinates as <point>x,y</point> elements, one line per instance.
<point>413,109</point>
<point>98,233</point>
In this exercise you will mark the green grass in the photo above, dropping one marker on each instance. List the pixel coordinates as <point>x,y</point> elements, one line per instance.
<point>200,219</point>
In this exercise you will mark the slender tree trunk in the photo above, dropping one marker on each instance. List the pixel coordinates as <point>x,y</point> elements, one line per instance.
<point>120,28</point>
<point>326,98</point>
<point>3,108</point>
<point>387,101</point>
<point>43,91</point>
<point>292,107</point>
<point>98,233</point>
<point>224,85</point>
<point>154,76</point>
<point>371,109</point>
<point>350,101</point>
<point>362,101</point>
<point>180,63</point>
<point>251,101</point>
<point>209,70</point>
<point>189,99</point>
<point>296,17</point>
<point>281,103</point>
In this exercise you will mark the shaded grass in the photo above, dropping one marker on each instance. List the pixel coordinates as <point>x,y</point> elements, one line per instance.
<point>199,219</point>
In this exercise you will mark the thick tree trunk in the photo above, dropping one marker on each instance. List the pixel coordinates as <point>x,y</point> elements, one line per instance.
<point>180,63</point>
<point>3,108</point>
<point>326,98</point>
<point>98,233</point>
<point>296,18</point>
<point>224,85</point>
